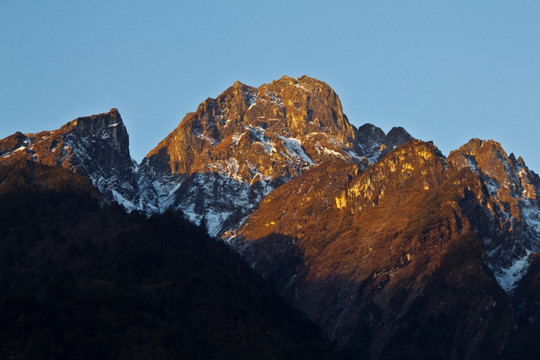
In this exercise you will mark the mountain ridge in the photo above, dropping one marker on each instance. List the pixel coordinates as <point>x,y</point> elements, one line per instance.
<point>377,237</point>
<point>250,141</point>
<point>343,266</point>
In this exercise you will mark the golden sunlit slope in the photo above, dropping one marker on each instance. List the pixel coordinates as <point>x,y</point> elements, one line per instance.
<point>389,258</point>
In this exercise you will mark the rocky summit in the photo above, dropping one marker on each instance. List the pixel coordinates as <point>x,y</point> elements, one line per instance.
<point>221,160</point>
<point>393,249</point>
<point>96,146</point>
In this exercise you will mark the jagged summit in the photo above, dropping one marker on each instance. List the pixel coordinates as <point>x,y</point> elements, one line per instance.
<point>511,196</point>
<point>311,106</point>
<point>238,85</point>
<point>106,124</point>
<point>95,146</point>
<point>246,142</point>
<point>93,122</point>
<point>398,135</point>
<point>375,143</point>
<point>288,107</point>
<point>12,142</point>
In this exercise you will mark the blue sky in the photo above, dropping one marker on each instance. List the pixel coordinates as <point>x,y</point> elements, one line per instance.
<point>447,71</point>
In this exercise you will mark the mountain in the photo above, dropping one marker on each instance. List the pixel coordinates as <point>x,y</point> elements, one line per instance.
<point>512,198</point>
<point>221,160</point>
<point>96,146</point>
<point>417,247</point>
<point>393,249</point>
<point>82,279</point>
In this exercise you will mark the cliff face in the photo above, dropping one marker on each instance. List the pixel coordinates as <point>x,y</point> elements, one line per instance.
<point>225,157</point>
<point>96,146</point>
<point>268,117</point>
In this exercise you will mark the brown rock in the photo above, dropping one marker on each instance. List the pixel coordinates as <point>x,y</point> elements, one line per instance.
<point>385,258</point>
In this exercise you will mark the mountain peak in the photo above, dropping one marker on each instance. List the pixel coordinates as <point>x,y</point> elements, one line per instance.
<point>287,107</point>
<point>114,113</point>
<point>238,85</point>
<point>302,83</point>
<point>92,123</point>
<point>511,190</point>
<point>251,140</point>
<point>13,142</point>
<point>375,143</point>
<point>369,130</point>
<point>96,146</point>
<point>398,135</point>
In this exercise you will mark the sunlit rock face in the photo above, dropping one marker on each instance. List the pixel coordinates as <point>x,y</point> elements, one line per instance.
<point>416,247</point>
<point>225,157</point>
<point>341,242</point>
<point>263,127</point>
<point>96,146</point>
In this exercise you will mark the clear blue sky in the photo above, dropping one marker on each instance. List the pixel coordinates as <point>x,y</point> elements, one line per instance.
<point>447,71</point>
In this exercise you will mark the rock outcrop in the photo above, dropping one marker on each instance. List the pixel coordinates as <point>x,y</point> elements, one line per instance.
<point>229,154</point>
<point>96,146</point>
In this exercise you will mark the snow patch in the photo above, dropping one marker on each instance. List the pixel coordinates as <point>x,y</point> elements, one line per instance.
<point>229,168</point>
<point>214,221</point>
<point>373,157</point>
<point>492,186</point>
<point>167,200</point>
<point>236,137</point>
<point>207,138</point>
<point>303,87</point>
<point>268,145</point>
<point>128,205</point>
<point>530,214</point>
<point>330,152</point>
<point>191,215</point>
<point>509,277</point>
<point>276,100</point>
<point>252,100</point>
<point>294,148</point>
<point>353,154</point>
<point>472,165</point>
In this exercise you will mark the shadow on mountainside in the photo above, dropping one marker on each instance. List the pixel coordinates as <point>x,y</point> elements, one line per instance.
<point>82,280</point>
<point>446,307</point>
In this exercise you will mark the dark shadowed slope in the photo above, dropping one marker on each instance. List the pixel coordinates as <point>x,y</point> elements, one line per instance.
<point>79,280</point>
